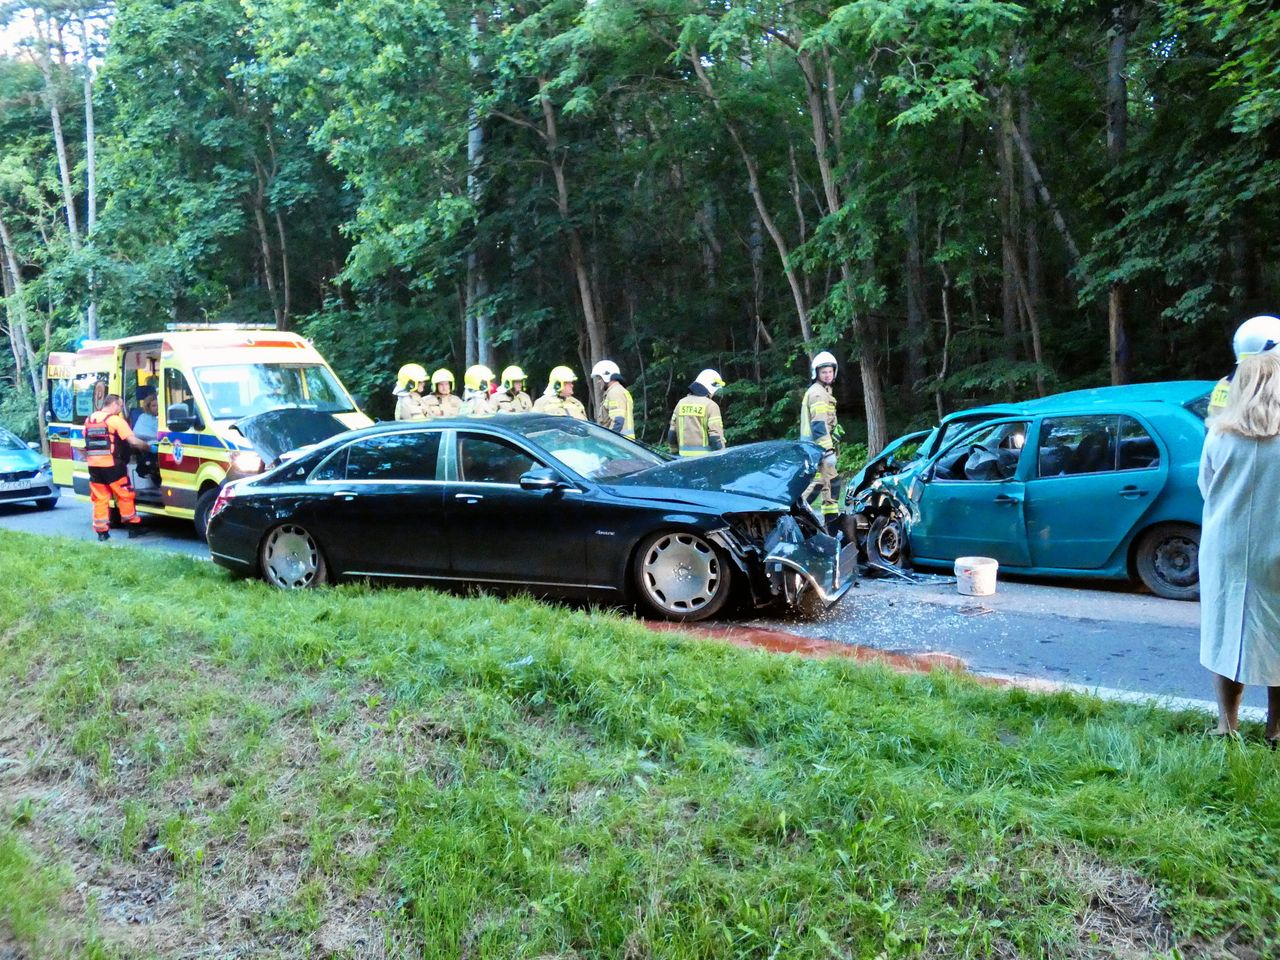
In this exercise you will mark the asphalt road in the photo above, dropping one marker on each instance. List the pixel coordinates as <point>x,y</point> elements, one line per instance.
<point>1099,636</point>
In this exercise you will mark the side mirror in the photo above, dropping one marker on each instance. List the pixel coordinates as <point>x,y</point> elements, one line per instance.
<point>541,478</point>
<point>32,445</point>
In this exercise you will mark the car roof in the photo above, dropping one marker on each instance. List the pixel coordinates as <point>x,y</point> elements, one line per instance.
<point>1096,399</point>
<point>512,422</point>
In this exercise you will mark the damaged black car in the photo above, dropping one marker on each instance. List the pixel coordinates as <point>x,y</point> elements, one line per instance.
<point>541,503</point>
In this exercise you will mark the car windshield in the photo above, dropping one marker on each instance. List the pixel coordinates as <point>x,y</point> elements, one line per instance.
<point>9,442</point>
<point>243,389</point>
<point>593,452</point>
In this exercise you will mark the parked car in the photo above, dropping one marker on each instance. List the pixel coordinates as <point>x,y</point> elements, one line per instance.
<point>1092,483</point>
<point>25,473</point>
<point>538,502</point>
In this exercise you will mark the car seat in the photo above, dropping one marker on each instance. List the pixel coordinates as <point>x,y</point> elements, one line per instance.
<point>1093,455</point>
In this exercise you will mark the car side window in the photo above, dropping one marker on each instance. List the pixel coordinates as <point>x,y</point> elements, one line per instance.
<point>986,455</point>
<point>400,456</point>
<point>179,404</point>
<point>490,460</point>
<point>1071,446</point>
<point>1138,451</point>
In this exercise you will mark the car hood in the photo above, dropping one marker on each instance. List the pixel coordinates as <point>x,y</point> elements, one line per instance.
<point>775,472</point>
<point>276,432</point>
<point>11,460</point>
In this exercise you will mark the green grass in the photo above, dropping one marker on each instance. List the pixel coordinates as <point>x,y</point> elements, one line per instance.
<point>189,759</point>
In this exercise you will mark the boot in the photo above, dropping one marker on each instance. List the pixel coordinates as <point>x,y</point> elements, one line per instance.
<point>103,535</point>
<point>136,530</point>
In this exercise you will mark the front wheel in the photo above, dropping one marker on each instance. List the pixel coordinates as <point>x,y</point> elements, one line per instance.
<point>290,558</point>
<point>1167,559</point>
<point>680,576</point>
<point>886,541</point>
<point>48,503</point>
<point>204,507</point>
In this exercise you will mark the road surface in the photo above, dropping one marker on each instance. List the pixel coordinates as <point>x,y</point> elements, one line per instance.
<point>1106,637</point>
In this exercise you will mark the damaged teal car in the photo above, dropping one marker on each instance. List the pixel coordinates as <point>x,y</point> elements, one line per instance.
<point>1091,483</point>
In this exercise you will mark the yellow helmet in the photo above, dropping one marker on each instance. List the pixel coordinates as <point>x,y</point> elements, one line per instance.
<point>510,375</point>
<point>442,376</point>
<point>560,376</point>
<point>477,377</point>
<point>411,376</point>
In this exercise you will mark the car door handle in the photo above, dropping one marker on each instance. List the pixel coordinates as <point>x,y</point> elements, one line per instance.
<point>468,497</point>
<point>1005,498</point>
<point>345,494</point>
<point>1132,493</point>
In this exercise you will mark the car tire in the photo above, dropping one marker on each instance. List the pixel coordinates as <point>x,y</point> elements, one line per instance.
<point>290,558</point>
<point>886,541</point>
<point>681,576</point>
<point>204,507</point>
<point>1167,561</point>
<point>47,503</point>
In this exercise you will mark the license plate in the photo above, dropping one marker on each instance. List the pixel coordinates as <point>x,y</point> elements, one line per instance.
<point>15,485</point>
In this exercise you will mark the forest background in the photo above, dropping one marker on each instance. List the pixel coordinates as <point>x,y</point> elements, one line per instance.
<point>965,200</point>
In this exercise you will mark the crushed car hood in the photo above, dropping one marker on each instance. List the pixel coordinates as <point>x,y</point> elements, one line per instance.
<point>276,432</point>
<point>775,471</point>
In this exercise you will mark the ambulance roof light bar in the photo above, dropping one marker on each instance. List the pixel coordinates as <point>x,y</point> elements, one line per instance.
<point>226,325</point>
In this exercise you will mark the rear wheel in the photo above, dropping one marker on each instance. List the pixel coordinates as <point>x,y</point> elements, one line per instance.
<point>1167,559</point>
<point>680,576</point>
<point>290,558</point>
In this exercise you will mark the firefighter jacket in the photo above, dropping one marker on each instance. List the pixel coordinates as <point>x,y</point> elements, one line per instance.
<point>519,402</point>
<point>447,406</point>
<point>617,410</point>
<point>560,406</point>
<point>1218,399</point>
<point>478,403</point>
<point>696,425</point>
<point>106,440</point>
<point>411,406</point>
<point>818,416</point>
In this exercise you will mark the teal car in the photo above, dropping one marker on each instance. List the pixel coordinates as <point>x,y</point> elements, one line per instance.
<point>1091,483</point>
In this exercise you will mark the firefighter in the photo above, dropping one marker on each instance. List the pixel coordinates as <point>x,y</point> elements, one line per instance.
<point>696,425</point>
<point>442,402</point>
<point>476,399</point>
<point>410,382</point>
<point>512,397</point>
<point>818,422</point>
<point>107,439</point>
<point>1255,335</point>
<point>558,398</point>
<point>616,406</point>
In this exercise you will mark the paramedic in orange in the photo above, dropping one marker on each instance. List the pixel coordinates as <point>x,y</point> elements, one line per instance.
<point>107,439</point>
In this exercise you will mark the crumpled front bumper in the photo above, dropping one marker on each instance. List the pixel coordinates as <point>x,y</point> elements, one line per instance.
<point>828,566</point>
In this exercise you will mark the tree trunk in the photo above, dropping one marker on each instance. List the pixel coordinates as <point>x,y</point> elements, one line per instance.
<point>1031,230</point>
<point>18,320</point>
<point>91,176</point>
<point>284,269</point>
<point>479,337</point>
<point>1059,222</point>
<point>914,274</point>
<point>1008,226</point>
<point>1117,135</point>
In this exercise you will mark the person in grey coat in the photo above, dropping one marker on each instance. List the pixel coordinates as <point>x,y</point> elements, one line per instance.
<point>1240,543</point>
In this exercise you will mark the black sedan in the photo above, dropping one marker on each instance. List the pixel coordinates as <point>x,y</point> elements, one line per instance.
<point>548,504</point>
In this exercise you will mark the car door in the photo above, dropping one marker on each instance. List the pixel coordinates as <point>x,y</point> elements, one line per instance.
<point>500,533</point>
<point>1094,477</point>
<point>971,497</point>
<point>377,507</point>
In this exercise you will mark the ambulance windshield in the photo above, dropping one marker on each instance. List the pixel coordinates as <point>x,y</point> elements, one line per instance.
<point>242,389</point>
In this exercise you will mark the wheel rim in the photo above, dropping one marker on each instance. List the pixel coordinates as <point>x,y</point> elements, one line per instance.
<point>1176,561</point>
<point>681,573</point>
<point>888,541</point>
<point>291,558</point>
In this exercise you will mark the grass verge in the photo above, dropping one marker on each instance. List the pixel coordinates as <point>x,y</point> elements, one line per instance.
<point>192,765</point>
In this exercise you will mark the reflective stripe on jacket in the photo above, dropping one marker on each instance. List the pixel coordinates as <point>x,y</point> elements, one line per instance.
<point>696,427</point>
<point>818,416</point>
<point>560,406</point>
<point>105,439</point>
<point>617,410</point>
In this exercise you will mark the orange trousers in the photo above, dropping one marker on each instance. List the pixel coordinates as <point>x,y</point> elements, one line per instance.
<point>101,493</point>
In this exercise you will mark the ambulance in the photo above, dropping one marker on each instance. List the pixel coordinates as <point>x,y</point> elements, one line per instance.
<point>223,401</point>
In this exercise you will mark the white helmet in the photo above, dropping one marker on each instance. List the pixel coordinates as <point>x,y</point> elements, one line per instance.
<point>823,359</point>
<point>1256,335</point>
<point>711,380</point>
<point>605,369</point>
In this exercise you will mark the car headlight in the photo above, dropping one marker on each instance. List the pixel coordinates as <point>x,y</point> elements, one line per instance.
<point>246,461</point>
<point>45,468</point>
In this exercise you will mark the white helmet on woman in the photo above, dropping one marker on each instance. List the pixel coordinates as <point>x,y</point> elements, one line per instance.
<point>1256,335</point>
<point>823,359</point>
<point>604,369</point>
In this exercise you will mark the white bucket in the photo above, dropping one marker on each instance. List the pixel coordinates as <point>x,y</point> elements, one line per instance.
<point>976,576</point>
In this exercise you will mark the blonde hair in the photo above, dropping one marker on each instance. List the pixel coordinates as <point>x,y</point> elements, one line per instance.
<point>1253,405</point>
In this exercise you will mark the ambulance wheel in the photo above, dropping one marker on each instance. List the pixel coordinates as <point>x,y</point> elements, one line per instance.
<point>680,576</point>
<point>204,507</point>
<point>1167,559</point>
<point>291,559</point>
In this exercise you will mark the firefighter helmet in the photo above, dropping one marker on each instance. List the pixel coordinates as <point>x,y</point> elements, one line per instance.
<point>1256,335</point>
<point>823,359</point>
<point>411,377</point>
<point>510,375</point>
<point>442,376</point>
<point>477,377</point>
<point>560,376</point>
<point>605,369</point>
<point>709,379</point>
